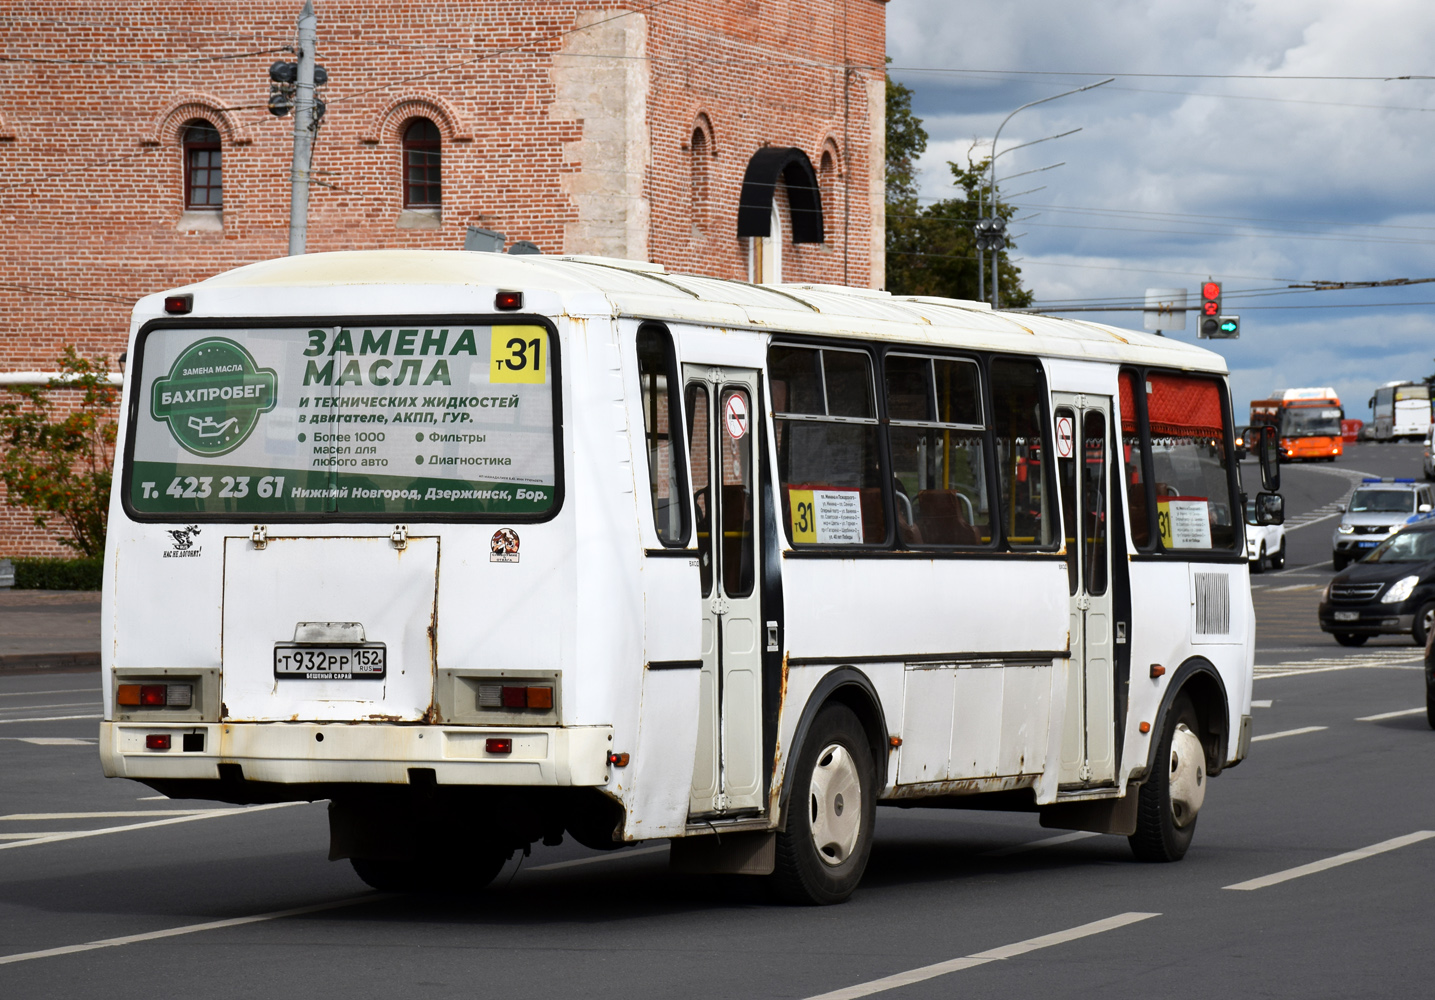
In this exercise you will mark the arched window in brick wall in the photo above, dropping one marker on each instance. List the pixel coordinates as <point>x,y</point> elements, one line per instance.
<point>827,183</point>
<point>422,182</point>
<point>203,176</point>
<point>701,150</point>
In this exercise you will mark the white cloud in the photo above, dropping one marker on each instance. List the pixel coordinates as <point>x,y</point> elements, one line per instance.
<point>1313,153</point>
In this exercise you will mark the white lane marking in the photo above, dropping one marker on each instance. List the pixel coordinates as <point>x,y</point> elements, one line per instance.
<point>36,694</point>
<point>1036,845</point>
<point>1391,715</point>
<point>1294,586</point>
<point>31,835</point>
<point>1387,659</point>
<point>981,958</point>
<point>153,798</point>
<point>36,708</point>
<point>1260,703</point>
<point>111,814</point>
<point>78,834</point>
<point>1288,732</point>
<point>615,856</point>
<point>1335,862</point>
<point>50,741</point>
<point>212,925</point>
<point>51,718</point>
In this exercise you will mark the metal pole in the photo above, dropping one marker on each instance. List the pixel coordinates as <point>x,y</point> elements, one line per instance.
<point>981,262</point>
<point>303,133</point>
<point>993,184</point>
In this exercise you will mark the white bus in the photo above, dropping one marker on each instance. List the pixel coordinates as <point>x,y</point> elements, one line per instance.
<point>1400,410</point>
<point>490,549</point>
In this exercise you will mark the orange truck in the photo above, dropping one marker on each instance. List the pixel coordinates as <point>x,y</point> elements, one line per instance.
<point>1307,421</point>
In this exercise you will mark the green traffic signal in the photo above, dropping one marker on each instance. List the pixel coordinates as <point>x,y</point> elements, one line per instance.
<point>1230,326</point>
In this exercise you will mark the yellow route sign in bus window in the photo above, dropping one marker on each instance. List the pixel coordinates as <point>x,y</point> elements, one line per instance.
<point>804,516</point>
<point>520,354</point>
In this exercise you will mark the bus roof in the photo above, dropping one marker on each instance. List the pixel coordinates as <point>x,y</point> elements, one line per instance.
<point>372,281</point>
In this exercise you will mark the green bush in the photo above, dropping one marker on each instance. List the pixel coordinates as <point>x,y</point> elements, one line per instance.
<point>58,574</point>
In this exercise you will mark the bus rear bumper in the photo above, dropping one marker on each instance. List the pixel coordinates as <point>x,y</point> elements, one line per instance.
<point>361,753</point>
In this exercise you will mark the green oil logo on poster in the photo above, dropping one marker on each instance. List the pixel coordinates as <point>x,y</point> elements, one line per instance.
<point>212,396</point>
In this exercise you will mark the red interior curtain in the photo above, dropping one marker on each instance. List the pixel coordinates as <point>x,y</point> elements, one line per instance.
<point>1183,406</point>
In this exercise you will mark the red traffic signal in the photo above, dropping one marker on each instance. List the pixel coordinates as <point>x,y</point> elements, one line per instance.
<point>1211,299</point>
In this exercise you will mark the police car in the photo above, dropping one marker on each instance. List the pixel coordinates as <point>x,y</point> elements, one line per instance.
<point>1377,508</point>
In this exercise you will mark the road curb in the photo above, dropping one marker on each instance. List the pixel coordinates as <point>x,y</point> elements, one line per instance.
<point>49,663</point>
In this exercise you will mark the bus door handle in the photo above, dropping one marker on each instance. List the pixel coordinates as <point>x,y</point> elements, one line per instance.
<point>719,606</point>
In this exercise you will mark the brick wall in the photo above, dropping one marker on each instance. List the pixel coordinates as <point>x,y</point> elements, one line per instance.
<point>567,122</point>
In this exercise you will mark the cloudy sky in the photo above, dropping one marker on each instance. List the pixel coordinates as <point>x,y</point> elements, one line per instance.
<point>1259,142</point>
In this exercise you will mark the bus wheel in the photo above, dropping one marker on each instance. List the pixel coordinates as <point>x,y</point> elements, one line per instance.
<point>823,850</point>
<point>1350,638</point>
<point>467,874</point>
<point>1170,800</point>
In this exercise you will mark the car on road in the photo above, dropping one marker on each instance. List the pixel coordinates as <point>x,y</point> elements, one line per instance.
<point>1389,592</point>
<point>1265,543</point>
<point>1428,462</point>
<point>1376,509</point>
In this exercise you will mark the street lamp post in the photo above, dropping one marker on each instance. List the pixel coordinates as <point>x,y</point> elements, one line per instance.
<point>993,165</point>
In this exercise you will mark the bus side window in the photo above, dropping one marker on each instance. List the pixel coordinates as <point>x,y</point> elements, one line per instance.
<point>939,475</point>
<point>697,407</point>
<point>1133,451</point>
<point>662,427</point>
<point>1018,401</point>
<point>828,461</point>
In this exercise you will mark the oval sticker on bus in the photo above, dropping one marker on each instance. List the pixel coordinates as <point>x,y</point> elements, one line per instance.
<point>736,416</point>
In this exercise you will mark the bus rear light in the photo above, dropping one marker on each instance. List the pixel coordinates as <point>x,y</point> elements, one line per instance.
<point>128,694</point>
<point>157,741</point>
<point>515,697</point>
<point>179,695</point>
<point>540,697</point>
<point>508,300</point>
<point>490,696</point>
<point>178,303</point>
<point>153,695</point>
<point>496,744</point>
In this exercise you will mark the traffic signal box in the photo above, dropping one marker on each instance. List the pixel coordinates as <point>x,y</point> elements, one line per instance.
<point>1210,309</point>
<point>1213,325</point>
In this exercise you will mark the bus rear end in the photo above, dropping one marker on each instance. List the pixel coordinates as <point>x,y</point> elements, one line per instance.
<point>337,569</point>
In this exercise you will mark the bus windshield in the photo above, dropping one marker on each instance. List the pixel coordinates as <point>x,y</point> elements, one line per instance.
<point>1382,502</point>
<point>1310,421</point>
<point>368,420</point>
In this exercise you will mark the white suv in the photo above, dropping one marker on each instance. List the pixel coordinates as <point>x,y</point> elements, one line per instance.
<point>1265,543</point>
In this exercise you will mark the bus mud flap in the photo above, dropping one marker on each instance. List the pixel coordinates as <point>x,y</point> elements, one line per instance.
<point>1096,816</point>
<point>752,853</point>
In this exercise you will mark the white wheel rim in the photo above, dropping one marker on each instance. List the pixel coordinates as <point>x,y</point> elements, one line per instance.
<point>1188,776</point>
<point>834,805</point>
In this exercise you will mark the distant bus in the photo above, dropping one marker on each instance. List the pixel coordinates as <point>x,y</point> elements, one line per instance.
<point>1402,410</point>
<point>488,550</point>
<point>1306,420</point>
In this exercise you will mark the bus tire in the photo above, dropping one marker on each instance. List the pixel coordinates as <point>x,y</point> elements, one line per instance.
<point>1169,803</point>
<point>1424,619</point>
<point>459,875</point>
<point>822,851</point>
<point>1350,638</point>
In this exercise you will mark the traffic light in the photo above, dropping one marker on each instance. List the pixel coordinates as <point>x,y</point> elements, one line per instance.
<point>283,80</point>
<point>1227,328</point>
<point>1210,309</point>
<point>991,234</point>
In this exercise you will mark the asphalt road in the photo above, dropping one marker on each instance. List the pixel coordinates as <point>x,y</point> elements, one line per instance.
<point>183,900</point>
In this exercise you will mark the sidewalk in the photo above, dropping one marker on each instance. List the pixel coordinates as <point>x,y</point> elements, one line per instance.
<point>43,631</point>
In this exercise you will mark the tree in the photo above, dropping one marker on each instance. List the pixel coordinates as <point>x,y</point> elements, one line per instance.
<point>932,250</point>
<point>60,465</point>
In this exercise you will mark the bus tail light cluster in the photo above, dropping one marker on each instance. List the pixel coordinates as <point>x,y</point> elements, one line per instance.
<point>515,697</point>
<point>155,695</point>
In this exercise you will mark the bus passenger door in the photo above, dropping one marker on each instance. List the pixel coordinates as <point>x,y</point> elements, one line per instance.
<point>1083,455</point>
<point>722,416</point>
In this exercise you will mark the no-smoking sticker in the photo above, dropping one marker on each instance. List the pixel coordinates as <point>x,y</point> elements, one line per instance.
<point>1064,437</point>
<point>735,414</point>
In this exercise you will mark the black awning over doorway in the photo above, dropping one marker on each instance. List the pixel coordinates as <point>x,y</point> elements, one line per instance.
<point>804,199</point>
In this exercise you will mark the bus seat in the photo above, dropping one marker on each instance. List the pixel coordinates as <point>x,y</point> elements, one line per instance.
<point>942,520</point>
